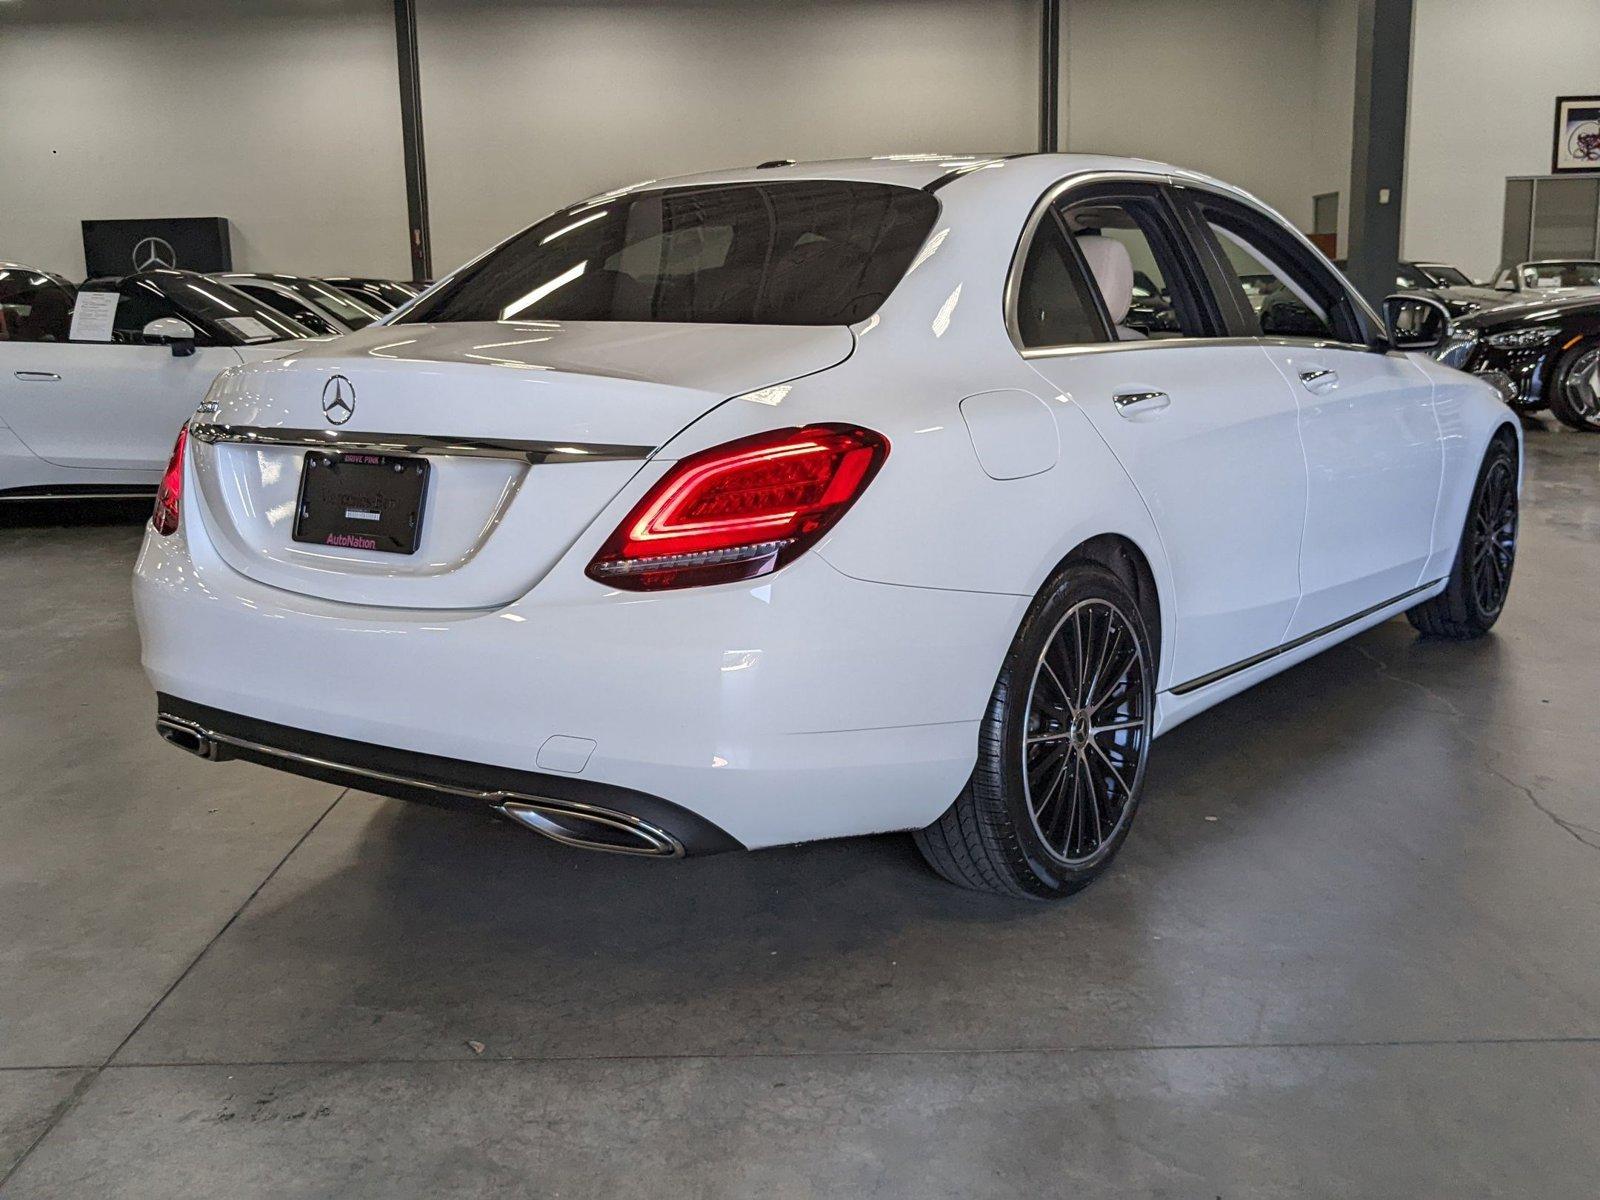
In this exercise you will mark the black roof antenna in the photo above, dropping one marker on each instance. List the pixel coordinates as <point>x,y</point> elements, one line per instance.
<point>775,162</point>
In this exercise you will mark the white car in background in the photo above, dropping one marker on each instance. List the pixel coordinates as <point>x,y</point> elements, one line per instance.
<point>779,504</point>
<point>93,379</point>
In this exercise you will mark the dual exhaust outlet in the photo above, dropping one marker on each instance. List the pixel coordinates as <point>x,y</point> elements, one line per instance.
<point>584,826</point>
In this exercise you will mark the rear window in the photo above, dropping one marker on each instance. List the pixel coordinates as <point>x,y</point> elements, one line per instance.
<point>810,252</point>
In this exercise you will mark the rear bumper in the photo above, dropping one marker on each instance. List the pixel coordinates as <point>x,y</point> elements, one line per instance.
<point>578,812</point>
<point>809,705</point>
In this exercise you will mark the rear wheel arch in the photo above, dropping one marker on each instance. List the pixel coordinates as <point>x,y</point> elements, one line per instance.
<point>1124,558</point>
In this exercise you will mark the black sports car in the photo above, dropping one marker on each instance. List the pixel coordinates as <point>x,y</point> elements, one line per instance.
<point>1541,354</point>
<point>1448,285</point>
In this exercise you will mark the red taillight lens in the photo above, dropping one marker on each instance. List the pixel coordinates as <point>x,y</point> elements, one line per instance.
<point>169,497</point>
<point>741,509</point>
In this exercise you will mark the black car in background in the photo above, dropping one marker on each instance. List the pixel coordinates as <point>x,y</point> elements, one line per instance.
<point>1448,285</point>
<point>1544,354</point>
<point>382,294</point>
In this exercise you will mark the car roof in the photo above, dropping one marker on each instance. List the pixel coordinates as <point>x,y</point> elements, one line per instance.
<point>923,170</point>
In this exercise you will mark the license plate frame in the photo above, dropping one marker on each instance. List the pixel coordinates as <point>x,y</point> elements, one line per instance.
<point>361,501</point>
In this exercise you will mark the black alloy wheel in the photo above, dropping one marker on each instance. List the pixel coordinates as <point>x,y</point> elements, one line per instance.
<point>1086,731</point>
<point>1062,748</point>
<point>1475,593</point>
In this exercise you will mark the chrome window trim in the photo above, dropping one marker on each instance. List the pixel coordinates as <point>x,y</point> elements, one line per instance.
<point>1020,253</point>
<point>1060,188</point>
<point>534,452</point>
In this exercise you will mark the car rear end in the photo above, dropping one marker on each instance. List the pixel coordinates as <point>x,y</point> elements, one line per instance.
<point>487,562</point>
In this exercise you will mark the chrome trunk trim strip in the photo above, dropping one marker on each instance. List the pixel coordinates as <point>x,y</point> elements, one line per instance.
<point>533,452</point>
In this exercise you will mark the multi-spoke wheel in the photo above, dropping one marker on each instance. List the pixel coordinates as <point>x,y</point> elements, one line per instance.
<point>1575,388</point>
<point>1086,733</point>
<point>1476,591</point>
<point>1061,752</point>
<point>1494,535</point>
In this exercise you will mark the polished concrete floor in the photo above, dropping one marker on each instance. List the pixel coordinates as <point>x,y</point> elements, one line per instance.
<point>1352,949</point>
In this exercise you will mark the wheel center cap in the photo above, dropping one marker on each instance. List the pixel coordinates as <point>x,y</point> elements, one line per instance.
<point>1080,732</point>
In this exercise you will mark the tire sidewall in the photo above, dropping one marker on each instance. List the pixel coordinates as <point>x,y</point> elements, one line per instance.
<point>1498,451</point>
<point>1049,874</point>
<point>1558,390</point>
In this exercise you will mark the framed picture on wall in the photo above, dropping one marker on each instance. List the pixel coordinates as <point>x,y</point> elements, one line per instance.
<point>1577,146</point>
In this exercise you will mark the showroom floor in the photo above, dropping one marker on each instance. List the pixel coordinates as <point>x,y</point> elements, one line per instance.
<point>1353,948</point>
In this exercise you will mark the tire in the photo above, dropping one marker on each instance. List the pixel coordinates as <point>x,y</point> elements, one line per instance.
<point>1575,388</point>
<point>1475,595</point>
<point>1021,827</point>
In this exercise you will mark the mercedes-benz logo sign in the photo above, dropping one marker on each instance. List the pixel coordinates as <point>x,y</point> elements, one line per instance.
<point>152,252</point>
<point>338,400</point>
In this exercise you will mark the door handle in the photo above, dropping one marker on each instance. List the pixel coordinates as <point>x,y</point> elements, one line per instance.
<point>1133,404</point>
<point>1319,379</point>
<point>38,377</point>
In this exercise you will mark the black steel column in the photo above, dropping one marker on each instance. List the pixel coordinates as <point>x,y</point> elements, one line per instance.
<point>1049,74</point>
<point>405,41</point>
<point>1378,148</point>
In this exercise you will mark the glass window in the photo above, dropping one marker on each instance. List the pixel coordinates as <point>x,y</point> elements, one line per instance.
<point>1054,304</point>
<point>290,306</point>
<point>142,302</point>
<point>1561,274</point>
<point>330,299</point>
<point>1289,293</point>
<point>33,307</point>
<point>812,252</point>
<point>1447,276</point>
<point>1135,266</point>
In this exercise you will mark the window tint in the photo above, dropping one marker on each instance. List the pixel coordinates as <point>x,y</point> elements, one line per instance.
<point>1289,294</point>
<point>1054,305</point>
<point>813,252</point>
<point>33,307</point>
<point>352,312</point>
<point>1136,267</point>
<point>290,306</point>
<point>142,302</point>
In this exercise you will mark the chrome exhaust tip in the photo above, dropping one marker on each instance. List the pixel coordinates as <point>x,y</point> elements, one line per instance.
<point>592,828</point>
<point>189,738</point>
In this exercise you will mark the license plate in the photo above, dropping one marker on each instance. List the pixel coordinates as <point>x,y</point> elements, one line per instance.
<point>362,501</point>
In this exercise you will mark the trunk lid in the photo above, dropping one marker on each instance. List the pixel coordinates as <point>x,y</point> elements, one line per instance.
<point>530,429</point>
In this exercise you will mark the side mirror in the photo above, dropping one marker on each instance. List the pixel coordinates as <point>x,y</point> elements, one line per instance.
<point>170,331</point>
<point>1415,322</point>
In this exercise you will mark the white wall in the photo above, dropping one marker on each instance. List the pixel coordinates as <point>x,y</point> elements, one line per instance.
<point>1228,87</point>
<point>287,121</point>
<point>1485,75</point>
<point>530,106</point>
<point>288,124</point>
<point>1334,117</point>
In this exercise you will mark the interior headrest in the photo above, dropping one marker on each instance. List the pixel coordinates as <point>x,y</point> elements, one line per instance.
<point>1113,272</point>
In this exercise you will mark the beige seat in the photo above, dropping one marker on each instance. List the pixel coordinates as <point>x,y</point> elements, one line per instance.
<point>1113,274</point>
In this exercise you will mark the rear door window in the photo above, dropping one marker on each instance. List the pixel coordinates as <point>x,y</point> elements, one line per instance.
<point>1055,306</point>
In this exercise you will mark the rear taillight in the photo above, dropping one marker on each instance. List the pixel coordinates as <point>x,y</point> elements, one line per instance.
<point>169,497</point>
<point>741,509</point>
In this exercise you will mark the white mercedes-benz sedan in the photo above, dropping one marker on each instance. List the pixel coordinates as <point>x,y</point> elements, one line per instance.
<point>816,500</point>
<point>93,379</point>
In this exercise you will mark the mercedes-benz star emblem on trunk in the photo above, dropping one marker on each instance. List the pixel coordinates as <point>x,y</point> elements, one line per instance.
<point>338,400</point>
<point>152,252</point>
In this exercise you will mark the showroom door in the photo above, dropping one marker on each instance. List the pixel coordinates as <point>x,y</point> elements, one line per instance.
<point>1205,428</point>
<point>1371,437</point>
